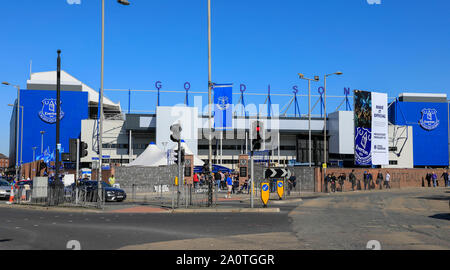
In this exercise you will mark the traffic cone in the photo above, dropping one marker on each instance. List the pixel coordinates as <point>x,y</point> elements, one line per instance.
<point>11,195</point>
<point>23,194</point>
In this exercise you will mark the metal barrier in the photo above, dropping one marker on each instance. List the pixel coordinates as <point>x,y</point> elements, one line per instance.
<point>58,196</point>
<point>170,195</point>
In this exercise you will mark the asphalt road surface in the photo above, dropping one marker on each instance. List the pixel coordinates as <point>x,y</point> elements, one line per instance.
<point>396,219</point>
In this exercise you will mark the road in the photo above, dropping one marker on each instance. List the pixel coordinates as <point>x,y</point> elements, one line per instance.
<point>397,219</point>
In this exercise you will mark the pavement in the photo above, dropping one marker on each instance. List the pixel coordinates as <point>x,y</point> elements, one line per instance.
<point>237,203</point>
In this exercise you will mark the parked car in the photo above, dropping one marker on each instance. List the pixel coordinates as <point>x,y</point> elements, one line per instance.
<point>88,188</point>
<point>5,189</point>
<point>23,183</point>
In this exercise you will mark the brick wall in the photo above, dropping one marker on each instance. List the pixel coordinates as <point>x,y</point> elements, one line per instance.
<point>400,178</point>
<point>4,163</point>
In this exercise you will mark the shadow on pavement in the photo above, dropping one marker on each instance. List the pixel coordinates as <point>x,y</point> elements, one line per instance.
<point>438,198</point>
<point>441,216</point>
<point>310,197</point>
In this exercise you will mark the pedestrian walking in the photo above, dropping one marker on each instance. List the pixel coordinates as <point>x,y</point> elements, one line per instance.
<point>371,182</point>
<point>387,180</point>
<point>244,186</point>
<point>292,182</point>
<point>222,180</point>
<point>366,180</point>
<point>342,178</point>
<point>358,184</point>
<point>326,181</point>
<point>229,185</point>
<point>428,177</point>
<point>352,179</point>
<point>217,177</point>
<point>333,183</point>
<point>196,180</point>
<point>445,176</point>
<point>112,180</point>
<point>434,178</point>
<point>380,179</point>
<point>235,184</point>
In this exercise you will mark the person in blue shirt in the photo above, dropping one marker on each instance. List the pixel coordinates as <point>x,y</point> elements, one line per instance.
<point>434,178</point>
<point>229,185</point>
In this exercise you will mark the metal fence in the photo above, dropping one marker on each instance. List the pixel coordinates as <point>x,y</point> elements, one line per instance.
<point>171,196</point>
<point>58,196</point>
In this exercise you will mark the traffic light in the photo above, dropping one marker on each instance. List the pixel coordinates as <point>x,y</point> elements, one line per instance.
<point>257,139</point>
<point>179,155</point>
<point>83,149</point>
<point>205,167</point>
<point>176,132</point>
<point>73,150</point>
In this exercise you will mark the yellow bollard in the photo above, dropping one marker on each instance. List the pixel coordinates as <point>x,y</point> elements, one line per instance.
<point>280,188</point>
<point>265,193</point>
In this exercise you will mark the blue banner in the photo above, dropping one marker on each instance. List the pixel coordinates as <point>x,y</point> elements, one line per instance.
<point>223,106</point>
<point>363,146</point>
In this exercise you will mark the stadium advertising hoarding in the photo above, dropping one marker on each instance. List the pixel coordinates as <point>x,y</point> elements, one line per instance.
<point>371,128</point>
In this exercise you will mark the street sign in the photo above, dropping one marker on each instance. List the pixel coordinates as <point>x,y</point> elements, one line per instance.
<point>265,193</point>
<point>277,173</point>
<point>261,153</point>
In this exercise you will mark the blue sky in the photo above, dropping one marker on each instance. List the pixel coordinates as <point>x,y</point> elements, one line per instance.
<point>397,46</point>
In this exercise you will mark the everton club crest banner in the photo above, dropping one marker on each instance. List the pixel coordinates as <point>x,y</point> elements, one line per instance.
<point>223,106</point>
<point>371,128</point>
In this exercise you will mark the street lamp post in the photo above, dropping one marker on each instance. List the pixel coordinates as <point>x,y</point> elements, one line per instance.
<point>316,79</point>
<point>21,136</point>
<point>100,137</point>
<point>58,122</point>
<point>325,113</point>
<point>210,84</point>
<point>21,139</point>
<point>17,129</point>
<point>34,152</point>
<point>42,141</point>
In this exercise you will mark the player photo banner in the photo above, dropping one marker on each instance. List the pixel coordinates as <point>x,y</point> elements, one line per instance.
<point>371,128</point>
<point>363,127</point>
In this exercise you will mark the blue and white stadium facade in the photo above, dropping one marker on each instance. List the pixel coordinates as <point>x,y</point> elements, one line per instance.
<point>416,122</point>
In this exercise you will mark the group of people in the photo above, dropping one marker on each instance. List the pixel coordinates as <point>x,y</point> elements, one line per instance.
<point>432,179</point>
<point>224,181</point>
<point>331,181</point>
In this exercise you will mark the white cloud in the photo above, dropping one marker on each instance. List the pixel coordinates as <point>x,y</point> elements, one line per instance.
<point>374,2</point>
<point>76,2</point>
